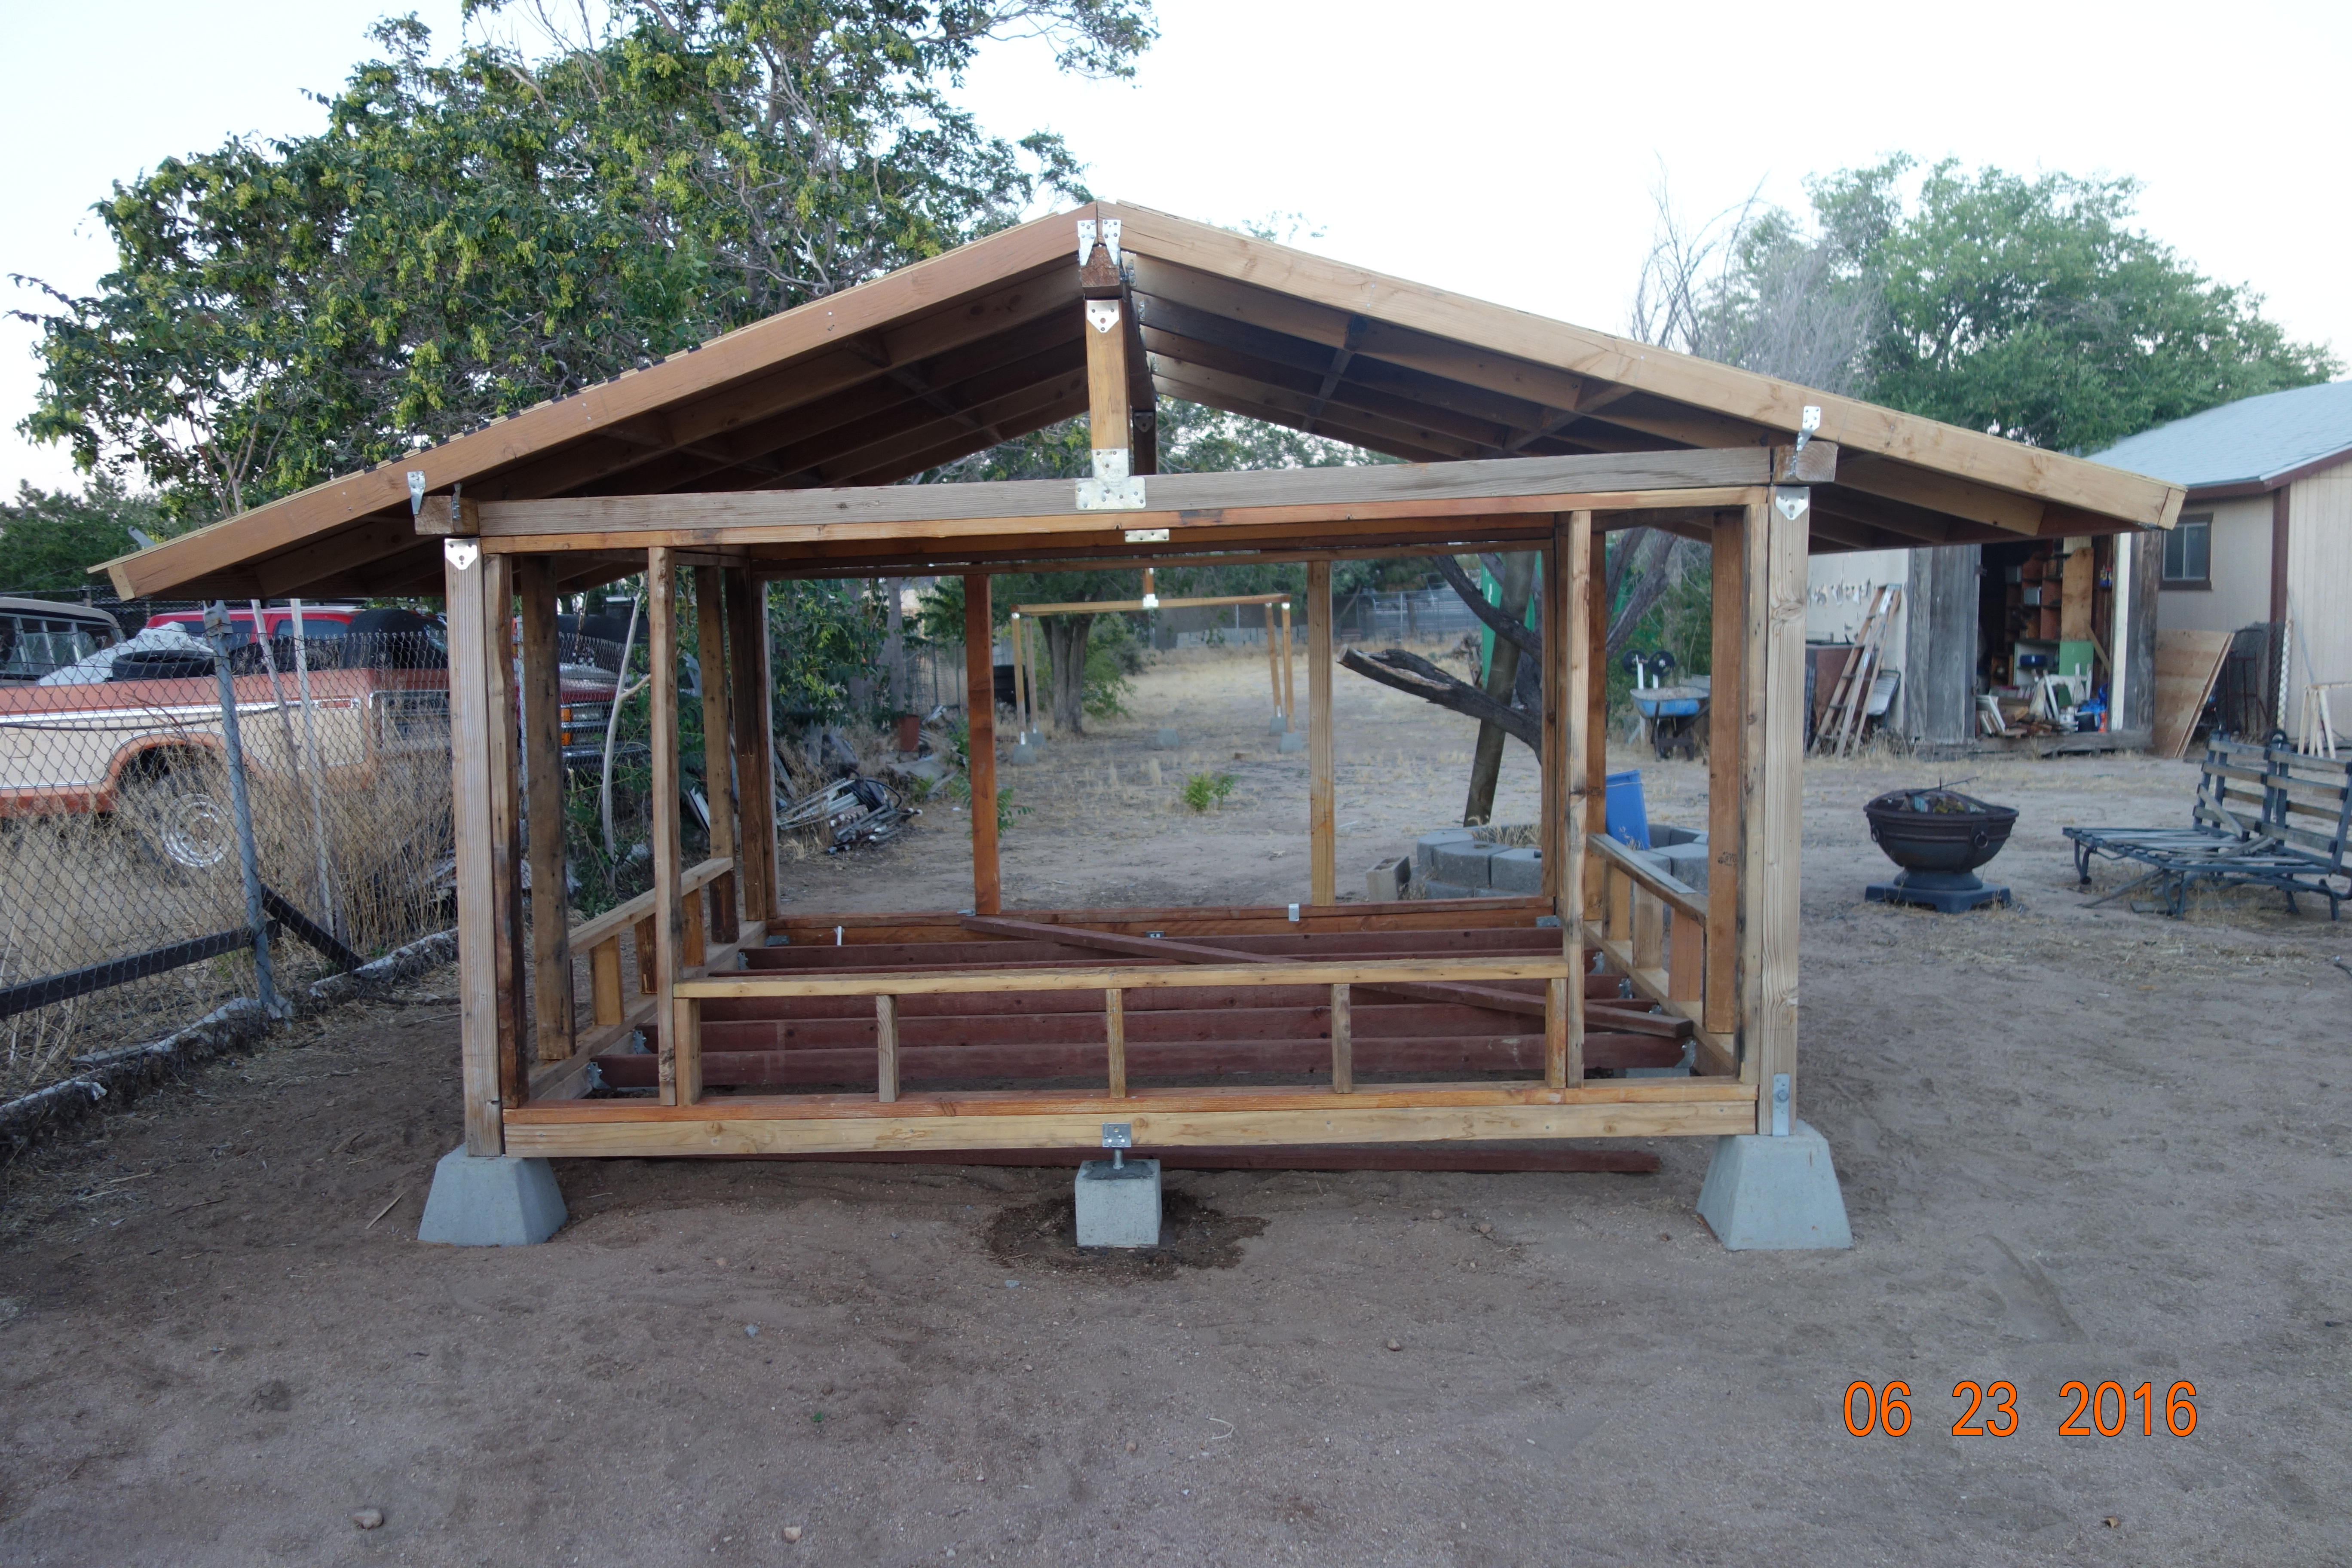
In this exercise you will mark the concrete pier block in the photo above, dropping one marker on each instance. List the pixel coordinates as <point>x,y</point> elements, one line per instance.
<point>1023,751</point>
<point>1278,725</point>
<point>499,1202</point>
<point>1163,740</point>
<point>1780,1194</point>
<point>1294,741</point>
<point>1118,1205</point>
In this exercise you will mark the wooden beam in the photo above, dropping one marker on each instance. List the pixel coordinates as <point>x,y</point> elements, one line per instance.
<point>680,1069</point>
<point>1321,812</point>
<point>1110,418</point>
<point>1571,600</point>
<point>1594,812</point>
<point>755,753</point>
<point>980,715</point>
<point>471,649</point>
<point>1772,671</point>
<point>1727,733</point>
<point>891,513</point>
<point>553,1027</point>
<point>1343,1041</point>
<point>717,739</point>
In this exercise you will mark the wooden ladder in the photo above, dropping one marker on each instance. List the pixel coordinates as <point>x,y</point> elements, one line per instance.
<point>1850,699</point>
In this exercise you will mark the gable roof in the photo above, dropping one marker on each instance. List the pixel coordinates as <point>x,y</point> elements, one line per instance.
<point>878,382</point>
<point>2246,447</point>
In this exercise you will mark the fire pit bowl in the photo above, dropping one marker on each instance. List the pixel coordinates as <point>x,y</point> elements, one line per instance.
<point>1939,836</point>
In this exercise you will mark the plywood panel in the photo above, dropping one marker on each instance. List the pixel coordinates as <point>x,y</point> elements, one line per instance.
<point>2187,665</point>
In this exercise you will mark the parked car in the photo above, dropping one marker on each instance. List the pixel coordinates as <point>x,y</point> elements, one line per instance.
<point>37,636</point>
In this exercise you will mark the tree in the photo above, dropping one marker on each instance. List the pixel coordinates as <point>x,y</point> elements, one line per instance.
<point>50,539</point>
<point>470,236</point>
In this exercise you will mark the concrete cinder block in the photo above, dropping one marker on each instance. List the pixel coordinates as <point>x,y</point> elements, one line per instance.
<point>1515,871</point>
<point>499,1202</point>
<point>1661,835</point>
<point>1293,741</point>
<point>1686,863</point>
<point>1425,847</point>
<point>1387,879</point>
<point>1118,1205</point>
<point>1465,863</point>
<point>1778,1194</point>
<point>1431,889</point>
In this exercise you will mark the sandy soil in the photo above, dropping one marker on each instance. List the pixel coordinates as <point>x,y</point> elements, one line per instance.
<point>2076,1144</point>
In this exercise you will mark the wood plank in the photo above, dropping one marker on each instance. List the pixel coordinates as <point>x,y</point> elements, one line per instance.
<point>2187,666</point>
<point>1725,769</point>
<point>1559,1000</point>
<point>1376,1157</point>
<point>472,646</point>
<point>1321,774</point>
<point>1392,975</point>
<point>1595,644</point>
<point>1289,690</point>
<point>898,511</point>
<point>1274,668</point>
<point>1655,884</point>
<point>680,1081</point>
<point>1081,1127</point>
<point>980,708</point>
<point>504,750</point>
<point>1552,760</point>
<point>604,981</point>
<point>885,1048</point>
<point>552,1023</point>
<point>1343,1042</point>
<point>1110,422</point>
<point>1115,1039</point>
<point>755,754</point>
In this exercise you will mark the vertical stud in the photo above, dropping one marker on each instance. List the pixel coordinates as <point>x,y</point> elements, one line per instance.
<point>1323,847</point>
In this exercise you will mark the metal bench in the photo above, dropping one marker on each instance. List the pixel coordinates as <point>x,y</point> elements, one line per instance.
<point>2265,815</point>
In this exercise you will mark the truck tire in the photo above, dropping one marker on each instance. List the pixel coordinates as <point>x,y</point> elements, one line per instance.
<point>180,812</point>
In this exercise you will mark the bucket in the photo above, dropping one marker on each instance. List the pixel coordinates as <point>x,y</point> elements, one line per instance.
<point>1628,817</point>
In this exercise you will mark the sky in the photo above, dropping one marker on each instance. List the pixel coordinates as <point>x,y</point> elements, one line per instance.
<point>1508,150</point>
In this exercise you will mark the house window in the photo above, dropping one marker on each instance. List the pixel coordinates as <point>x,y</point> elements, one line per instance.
<point>2188,553</point>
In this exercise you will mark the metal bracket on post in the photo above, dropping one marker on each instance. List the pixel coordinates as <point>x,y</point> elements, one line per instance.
<point>416,491</point>
<point>1808,422</point>
<point>1779,1105</point>
<point>1792,501</point>
<point>1089,231</point>
<point>1102,315</point>
<point>1112,488</point>
<point>1118,1136</point>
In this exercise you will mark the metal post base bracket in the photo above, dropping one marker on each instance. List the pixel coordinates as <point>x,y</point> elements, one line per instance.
<point>1775,1194</point>
<point>497,1202</point>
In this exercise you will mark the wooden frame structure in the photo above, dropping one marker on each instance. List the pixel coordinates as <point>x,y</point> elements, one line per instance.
<point>769,454</point>
<point>1278,640</point>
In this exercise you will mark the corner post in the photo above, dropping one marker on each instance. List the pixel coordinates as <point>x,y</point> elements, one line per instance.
<point>718,732</point>
<point>554,1026</point>
<point>755,750</point>
<point>980,746</point>
<point>1595,772</point>
<point>471,722</point>
<point>1772,677</point>
<point>1572,741</point>
<point>1323,848</point>
<point>1552,759</point>
<point>679,1069</point>
<point>1727,737</point>
<point>505,749</point>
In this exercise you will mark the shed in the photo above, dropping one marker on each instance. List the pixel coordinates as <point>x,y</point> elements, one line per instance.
<point>772,453</point>
<point>2263,549</point>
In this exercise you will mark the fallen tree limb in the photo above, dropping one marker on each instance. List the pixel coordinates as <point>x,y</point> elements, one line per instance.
<point>1417,677</point>
<point>1526,639</point>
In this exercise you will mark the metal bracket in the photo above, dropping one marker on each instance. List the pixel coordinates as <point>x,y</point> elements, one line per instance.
<point>461,553</point>
<point>1118,1136</point>
<point>1793,503</point>
<point>416,491</point>
<point>1148,536</point>
<point>1808,422</point>
<point>1293,914</point>
<point>1112,488</point>
<point>1088,231</point>
<point>1102,315</point>
<point>1779,1105</point>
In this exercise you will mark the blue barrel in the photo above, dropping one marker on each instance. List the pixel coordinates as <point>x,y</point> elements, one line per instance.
<point>1629,817</point>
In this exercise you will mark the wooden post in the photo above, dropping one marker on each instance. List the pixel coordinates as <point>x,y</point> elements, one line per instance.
<point>1556,1031</point>
<point>1289,690</point>
<point>1772,816</point>
<point>604,981</point>
<point>755,750</point>
<point>1727,730</point>
<point>1647,938</point>
<point>980,713</point>
<point>554,1026</point>
<point>1115,1038</point>
<point>1552,760</point>
<point>679,1069</point>
<point>1323,848</point>
<point>1110,418</point>
<point>1033,639</point>
<point>1575,547</point>
<point>695,947</point>
<point>505,748</point>
<point>1020,678</point>
<point>1343,1043</point>
<point>1274,667</point>
<point>1595,643</point>
<point>718,734</point>
<point>471,720</point>
<point>886,1048</point>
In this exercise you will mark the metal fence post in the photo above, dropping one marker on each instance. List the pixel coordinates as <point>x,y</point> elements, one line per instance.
<point>217,629</point>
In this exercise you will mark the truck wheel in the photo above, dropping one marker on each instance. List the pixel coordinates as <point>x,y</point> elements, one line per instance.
<point>181,814</point>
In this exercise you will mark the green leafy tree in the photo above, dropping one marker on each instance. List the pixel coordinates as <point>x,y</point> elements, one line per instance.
<point>50,539</point>
<point>471,235</point>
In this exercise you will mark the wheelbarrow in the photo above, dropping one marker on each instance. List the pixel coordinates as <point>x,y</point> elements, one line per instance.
<point>1676,716</point>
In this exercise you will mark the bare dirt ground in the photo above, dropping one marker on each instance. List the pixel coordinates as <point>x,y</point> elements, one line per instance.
<point>2076,1145</point>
